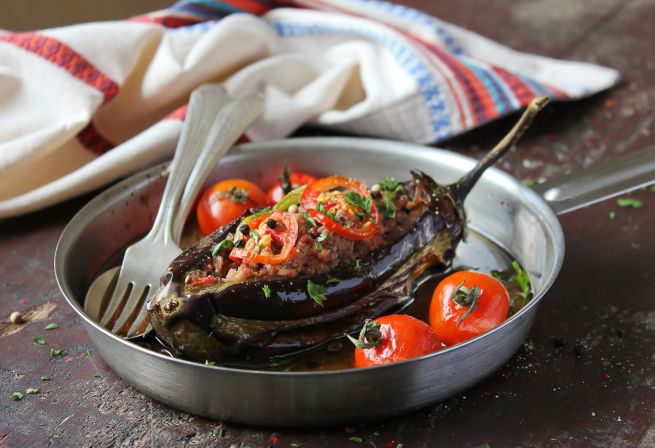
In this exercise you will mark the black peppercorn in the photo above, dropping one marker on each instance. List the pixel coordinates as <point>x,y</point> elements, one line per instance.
<point>240,244</point>
<point>271,223</point>
<point>243,228</point>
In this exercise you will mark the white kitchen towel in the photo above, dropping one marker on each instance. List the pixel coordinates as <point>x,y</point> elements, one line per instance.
<point>83,105</point>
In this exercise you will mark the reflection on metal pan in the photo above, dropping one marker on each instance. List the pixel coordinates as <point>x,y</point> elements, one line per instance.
<point>526,227</point>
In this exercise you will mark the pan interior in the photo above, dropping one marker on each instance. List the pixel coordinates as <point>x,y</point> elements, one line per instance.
<point>499,208</point>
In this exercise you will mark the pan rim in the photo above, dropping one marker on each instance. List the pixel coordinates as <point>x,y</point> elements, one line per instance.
<point>85,214</point>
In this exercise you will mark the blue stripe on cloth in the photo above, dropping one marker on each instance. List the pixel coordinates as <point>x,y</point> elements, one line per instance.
<point>501,100</point>
<point>419,17</point>
<point>219,7</point>
<point>404,56</point>
<point>537,87</point>
<point>201,27</point>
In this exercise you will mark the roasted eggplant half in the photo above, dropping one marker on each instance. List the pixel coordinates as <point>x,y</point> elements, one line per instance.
<point>304,274</point>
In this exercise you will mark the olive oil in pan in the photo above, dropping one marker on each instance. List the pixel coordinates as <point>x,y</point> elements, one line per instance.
<point>476,253</point>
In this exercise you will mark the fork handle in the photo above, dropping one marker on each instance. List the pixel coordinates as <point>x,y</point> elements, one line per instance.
<point>200,116</point>
<point>230,123</point>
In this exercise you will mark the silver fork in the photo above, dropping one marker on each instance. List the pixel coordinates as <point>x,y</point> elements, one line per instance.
<point>206,136</point>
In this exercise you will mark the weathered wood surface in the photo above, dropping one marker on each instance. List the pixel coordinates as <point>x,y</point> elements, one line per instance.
<point>585,377</point>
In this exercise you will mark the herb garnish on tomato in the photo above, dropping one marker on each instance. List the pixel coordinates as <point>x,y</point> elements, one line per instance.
<point>343,205</point>
<point>393,338</point>
<point>466,304</point>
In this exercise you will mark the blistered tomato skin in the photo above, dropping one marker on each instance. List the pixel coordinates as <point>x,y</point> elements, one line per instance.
<point>403,337</point>
<point>225,201</point>
<point>449,319</point>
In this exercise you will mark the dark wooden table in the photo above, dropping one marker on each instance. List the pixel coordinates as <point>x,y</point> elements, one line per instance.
<point>584,378</point>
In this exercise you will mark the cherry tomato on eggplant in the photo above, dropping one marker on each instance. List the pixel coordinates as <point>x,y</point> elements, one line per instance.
<point>394,338</point>
<point>225,201</point>
<point>297,180</point>
<point>466,304</point>
<point>343,205</point>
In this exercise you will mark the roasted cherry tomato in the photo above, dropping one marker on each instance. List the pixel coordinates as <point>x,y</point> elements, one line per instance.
<point>226,201</point>
<point>466,304</point>
<point>296,179</point>
<point>343,205</point>
<point>394,338</point>
<point>270,239</point>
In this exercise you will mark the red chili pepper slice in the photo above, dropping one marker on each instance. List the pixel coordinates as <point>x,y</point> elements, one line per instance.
<point>286,237</point>
<point>310,200</point>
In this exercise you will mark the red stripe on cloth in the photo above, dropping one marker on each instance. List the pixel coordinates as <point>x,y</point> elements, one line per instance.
<point>480,100</point>
<point>179,113</point>
<point>65,57</point>
<point>257,7</point>
<point>92,140</point>
<point>167,21</point>
<point>521,90</point>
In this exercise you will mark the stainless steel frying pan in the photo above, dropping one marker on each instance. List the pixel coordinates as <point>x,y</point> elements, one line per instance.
<point>511,215</point>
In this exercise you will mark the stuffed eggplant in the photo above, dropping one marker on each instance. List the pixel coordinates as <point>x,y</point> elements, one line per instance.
<point>326,258</point>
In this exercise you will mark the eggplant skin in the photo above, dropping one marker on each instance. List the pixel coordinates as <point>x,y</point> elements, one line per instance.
<point>236,322</point>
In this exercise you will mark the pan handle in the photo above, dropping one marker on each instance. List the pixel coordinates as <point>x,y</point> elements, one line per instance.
<point>600,181</point>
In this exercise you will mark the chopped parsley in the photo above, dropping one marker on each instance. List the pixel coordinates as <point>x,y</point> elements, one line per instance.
<point>309,219</point>
<point>316,292</point>
<point>528,182</point>
<point>283,365</point>
<point>612,214</point>
<point>40,340</point>
<point>267,291</point>
<point>209,363</point>
<point>87,352</point>
<point>45,378</point>
<point>358,264</point>
<point>355,439</point>
<point>225,244</point>
<point>220,431</point>
<point>55,352</point>
<point>391,184</point>
<point>319,239</point>
<point>255,237</point>
<point>332,280</point>
<point>32,390</point>
<point>630,202</point>
<point>386,206</point>
<point>320,207</point>
<point>357,200</point>
<point>51,326</point>
<point>97,375</point>
<point>521,278</point>
<point>16,396</point>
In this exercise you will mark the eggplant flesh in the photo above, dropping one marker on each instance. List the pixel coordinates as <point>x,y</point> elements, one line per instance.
<point>235,321</point>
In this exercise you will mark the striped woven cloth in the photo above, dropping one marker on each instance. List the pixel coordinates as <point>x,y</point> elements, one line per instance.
<point>84,105</point>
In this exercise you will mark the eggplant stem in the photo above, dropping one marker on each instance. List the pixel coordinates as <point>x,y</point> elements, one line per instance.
<point>463,186</point>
